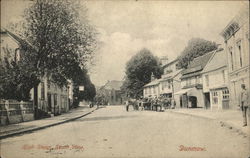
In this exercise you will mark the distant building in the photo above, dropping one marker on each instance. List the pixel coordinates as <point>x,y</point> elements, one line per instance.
<point>112,89</point>
<point>236,37</point>
<point>151,89</point>
<point>215,81</point>
<point>191,94</point>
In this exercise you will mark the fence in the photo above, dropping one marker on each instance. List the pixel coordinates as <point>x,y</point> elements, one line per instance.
<point>12,111</point>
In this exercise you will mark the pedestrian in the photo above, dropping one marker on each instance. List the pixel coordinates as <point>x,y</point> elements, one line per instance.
<point>127,105</point>
<point>244,104</point>
<point>173,103</point>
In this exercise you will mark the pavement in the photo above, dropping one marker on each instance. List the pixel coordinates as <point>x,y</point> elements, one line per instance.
<point>231,119</point>
<point>26,127</point>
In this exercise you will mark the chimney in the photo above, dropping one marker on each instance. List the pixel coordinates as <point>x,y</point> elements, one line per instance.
<point>152,77</point>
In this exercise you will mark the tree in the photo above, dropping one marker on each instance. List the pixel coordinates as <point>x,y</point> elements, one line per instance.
<point>196,47</point>
<point>16,80</point>
<point>82,79</point>
<point>62,42</point>
<point>138,72</point>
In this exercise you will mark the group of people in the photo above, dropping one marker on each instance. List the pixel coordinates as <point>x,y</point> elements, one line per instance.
<point>151,103</point>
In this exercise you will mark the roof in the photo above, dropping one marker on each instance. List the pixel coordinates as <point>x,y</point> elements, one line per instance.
<point>116,85</point>
<point>170,75</point>
<point>152,83</point>
<point>218,60</point>
<point>19,40</point>
<point>172,62</point>
<point>198,63</point>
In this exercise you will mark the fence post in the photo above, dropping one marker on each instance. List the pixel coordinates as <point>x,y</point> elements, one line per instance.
<point>22,110</point>
<point>7,111</point>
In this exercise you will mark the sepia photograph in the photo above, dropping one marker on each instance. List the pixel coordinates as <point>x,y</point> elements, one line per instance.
<point>124,79</point>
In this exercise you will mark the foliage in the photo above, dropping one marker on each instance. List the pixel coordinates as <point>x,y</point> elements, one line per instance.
<point>61,42</point>
<point>89,92</point>
<point>138,72</point>
<point>62,39</point>
<point>102,97</point>
<point>196,47</point>
<point>16,80</point>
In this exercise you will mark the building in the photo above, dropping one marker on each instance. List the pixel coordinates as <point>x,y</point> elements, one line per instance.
<point>52,99</point>
<point>215,81</point>
<point>191,93</point>
<point>170,81</point>
<point>112,90</point>
<point>12,46</point>
<point>152,90</point>
<point>236,37</point>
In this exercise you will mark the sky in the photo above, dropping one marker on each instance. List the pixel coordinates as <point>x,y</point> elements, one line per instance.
<point>125,27</point>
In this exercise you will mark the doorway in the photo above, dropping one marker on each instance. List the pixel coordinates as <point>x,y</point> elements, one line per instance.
<point>207,100</point>
<point>193,101</point>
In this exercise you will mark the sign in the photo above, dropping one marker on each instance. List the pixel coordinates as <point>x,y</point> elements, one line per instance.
<point>81,88</point>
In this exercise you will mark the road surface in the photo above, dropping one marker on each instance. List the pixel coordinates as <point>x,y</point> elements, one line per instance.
<point>113,132</point>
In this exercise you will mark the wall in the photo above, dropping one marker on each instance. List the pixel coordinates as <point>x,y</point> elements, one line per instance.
<point>58,96</point>
<point>191,81</point>
<point>8,47</point>
<point>13,112</point>
<point>151,91</point>
<point>215,79</point>
<point>238,73</point>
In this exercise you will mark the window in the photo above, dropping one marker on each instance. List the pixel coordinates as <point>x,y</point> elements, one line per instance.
<point>215,97</point>
<point>225,94</point>
<point>42,91</point>
<point>207,80</point>
<point>240,53</point>
<point>231,56</point>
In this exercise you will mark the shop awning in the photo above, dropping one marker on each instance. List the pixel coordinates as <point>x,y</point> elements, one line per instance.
<point>183,91</point>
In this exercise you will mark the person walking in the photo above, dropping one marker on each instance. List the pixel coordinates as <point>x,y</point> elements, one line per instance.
<point>244,104</point>
<point>127,105</point>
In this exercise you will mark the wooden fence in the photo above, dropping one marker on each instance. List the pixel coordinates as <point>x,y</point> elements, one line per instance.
<point>12,111</point>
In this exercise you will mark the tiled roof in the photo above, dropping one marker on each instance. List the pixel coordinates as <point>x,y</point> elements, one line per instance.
<point>170,75</point>
<point>152,83</point>
<point>218,60</point>
<point>172,62</point>
<point>15,37</point>
<point>116,85</point>
<point>198,63</point>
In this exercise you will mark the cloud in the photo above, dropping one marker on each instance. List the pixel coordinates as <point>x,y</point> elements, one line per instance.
<point>118,47</point>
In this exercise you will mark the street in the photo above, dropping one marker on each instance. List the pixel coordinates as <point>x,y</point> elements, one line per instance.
<point>113,132</point>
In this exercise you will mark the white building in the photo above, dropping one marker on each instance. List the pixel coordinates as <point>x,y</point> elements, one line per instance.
<point>151,89</point>
<point>236,37</point>
<point>215,81</point>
